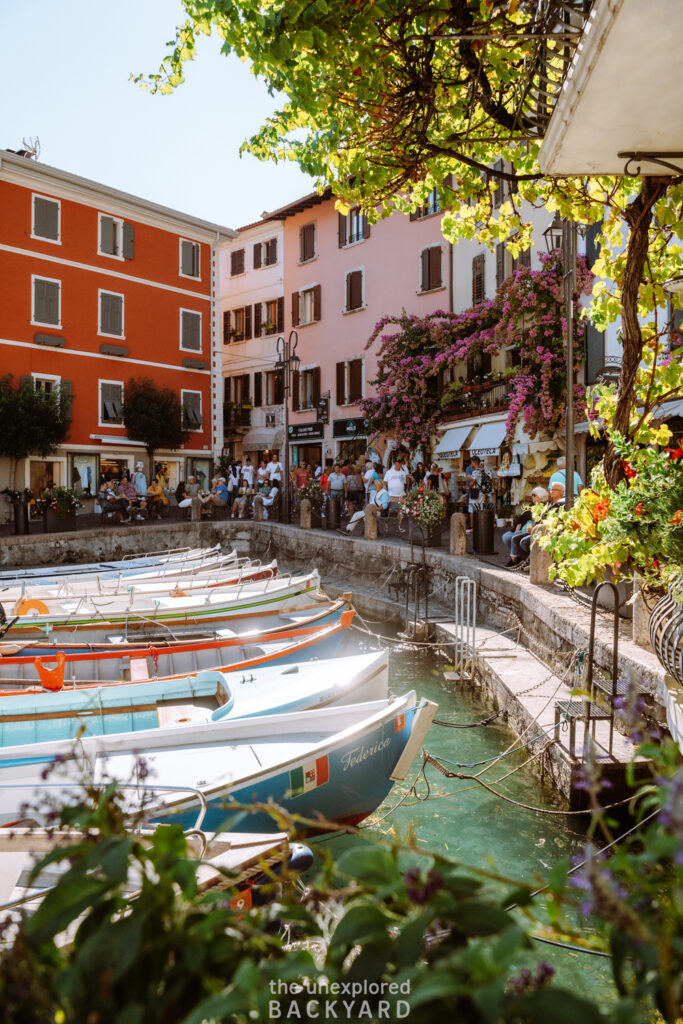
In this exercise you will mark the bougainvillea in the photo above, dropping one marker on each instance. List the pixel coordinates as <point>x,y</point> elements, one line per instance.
<point>526,313</point>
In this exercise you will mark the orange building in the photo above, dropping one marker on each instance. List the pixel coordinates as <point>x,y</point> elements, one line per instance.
<point>97,287</point>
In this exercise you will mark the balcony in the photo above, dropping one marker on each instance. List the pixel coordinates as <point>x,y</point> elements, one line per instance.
<point>235,417</point>
<point>477,399</point>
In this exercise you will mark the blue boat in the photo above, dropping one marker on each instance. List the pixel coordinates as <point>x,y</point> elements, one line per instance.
<point>333,763</point>
<point>203,699</point>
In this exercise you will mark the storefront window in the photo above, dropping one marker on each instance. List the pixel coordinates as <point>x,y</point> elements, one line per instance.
<point>44,474</point>
<point>112,468</point>
<point>354,449</point>
<point>201,470</point>
<point>171,472</point>
<point>84,475</point>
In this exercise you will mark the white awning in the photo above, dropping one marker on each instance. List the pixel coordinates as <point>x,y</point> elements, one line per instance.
<point>666,412</point>
<point>488,439</point>
<point>262,438</point>
<point>452,442</point>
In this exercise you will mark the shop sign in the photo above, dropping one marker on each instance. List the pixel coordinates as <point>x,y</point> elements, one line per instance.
<point>350,428</point>
<point>305,432</point>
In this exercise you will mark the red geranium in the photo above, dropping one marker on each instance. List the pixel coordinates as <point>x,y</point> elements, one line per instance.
<point>628,469</point>
<point>675,453</point>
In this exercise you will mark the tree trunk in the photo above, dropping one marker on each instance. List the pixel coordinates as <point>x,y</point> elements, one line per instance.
<point>638,216</point>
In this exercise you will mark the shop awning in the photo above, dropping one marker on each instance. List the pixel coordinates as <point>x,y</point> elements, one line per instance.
<point>666,412</point>
<point>488,439</point>
<point>262,438</point>
<point>452,442</point>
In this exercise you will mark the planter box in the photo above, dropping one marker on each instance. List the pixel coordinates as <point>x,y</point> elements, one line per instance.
<point>53,524</point>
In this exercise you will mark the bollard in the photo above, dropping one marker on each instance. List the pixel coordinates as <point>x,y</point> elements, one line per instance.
<point>258,508</point>
<point>305,514</point>
<point>196,510</point>
<point>371,514</point>
<point>541,561</point>
<point>333,513</point>
<point>458,535</point>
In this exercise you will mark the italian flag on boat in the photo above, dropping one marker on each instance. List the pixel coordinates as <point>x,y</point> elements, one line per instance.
<point>309,775</point>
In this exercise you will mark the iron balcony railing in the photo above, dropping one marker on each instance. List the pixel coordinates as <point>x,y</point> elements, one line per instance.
<point>491,396</point>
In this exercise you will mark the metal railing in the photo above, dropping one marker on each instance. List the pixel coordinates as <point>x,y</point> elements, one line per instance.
<point>491,396</point>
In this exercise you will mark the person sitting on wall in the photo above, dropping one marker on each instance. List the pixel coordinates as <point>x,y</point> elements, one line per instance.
<point>239,505</point>
<point>272,500</point>
<point>156,499</point>
<point>112,503</point>
<point>127,490</point>
<point>190,491</point>
<point>522,522</point>
<point>217,497</point>
<point>378,496</point>
<point>520,551</point>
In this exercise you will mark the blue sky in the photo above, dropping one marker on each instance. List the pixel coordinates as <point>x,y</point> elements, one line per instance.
<point>66,65</point>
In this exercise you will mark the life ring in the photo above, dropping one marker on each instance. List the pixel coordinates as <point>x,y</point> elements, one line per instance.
<point>29,605</point>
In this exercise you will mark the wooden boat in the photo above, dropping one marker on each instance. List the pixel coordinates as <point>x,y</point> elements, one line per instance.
<point>93,617</point>
<point>18,600</point>
<point>172,558</point>
<point>336,763</point>
<point>235,862</point>
<point>296,622</point>
<point>54,670</point>
<point>206,699</point>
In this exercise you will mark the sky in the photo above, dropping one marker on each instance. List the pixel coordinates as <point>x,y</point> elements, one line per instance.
<point>66,67</point>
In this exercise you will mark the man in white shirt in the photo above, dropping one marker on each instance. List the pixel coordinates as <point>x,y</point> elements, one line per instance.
<point>248,472</point>
<point>395,480</point>
<point>274,469</point>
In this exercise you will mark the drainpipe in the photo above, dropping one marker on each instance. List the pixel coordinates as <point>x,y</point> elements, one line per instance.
<point>450,277</point>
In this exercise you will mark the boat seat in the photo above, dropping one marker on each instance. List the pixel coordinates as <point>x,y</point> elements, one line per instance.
<point>139,670</point>
<point>181,714</point>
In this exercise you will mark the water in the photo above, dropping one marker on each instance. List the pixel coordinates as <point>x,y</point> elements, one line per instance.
<point>464,821</point>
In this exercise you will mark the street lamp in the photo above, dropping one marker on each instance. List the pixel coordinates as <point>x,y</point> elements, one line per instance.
<point>287,361</point>
<point>561,234</point>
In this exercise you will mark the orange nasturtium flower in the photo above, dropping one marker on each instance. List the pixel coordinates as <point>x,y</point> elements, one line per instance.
<point>676,517</point>
<point>639,509</point>
<point>601,510</point>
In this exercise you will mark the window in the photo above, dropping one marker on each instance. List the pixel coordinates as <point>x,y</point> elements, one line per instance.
<point>430,268</point>
<point>501,253</point>
<point>306,388</point>
<point>265,253</point>
<point>592,243</point>
<point>236,389</point>
<point>192,409</point>
<point>478,283</point>
<point>350,388</point>
<point>111,314</point>
<point>236,324</point>
<point>111,402</point>
<point>432,206</point>
<point>354,290</point>
<point>46,217</point>
<point>498,185</point>
<point>116,238</point>
<point>353,227</point>
<point>478,366</point>
<point>268,389</point>
<point>236,262</point>
<point>306,243</point>
<point>190,330</point>
<point>306,306</point>
<point>46,309</point>
<point>523,260</point>
<point>189,258</point>
<point>46,382</point>
<point>267,316</point>
<point>595,352</point>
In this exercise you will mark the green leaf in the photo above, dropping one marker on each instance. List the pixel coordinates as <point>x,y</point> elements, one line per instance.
<point>363,922</point>
<point>371,865</point>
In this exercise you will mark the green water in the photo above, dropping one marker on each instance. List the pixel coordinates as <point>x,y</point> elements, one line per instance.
<point>467,823</point>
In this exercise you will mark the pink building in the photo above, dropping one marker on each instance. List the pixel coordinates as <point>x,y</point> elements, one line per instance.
<point>340,276</point>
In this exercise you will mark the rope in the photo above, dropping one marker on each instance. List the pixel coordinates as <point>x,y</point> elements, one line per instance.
<point>497,757</point>
<point>468,725</point>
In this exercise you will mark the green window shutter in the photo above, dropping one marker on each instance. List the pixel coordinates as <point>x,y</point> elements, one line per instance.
<point>108,235</point>
<point>128,241</point>
<point>45,218</point>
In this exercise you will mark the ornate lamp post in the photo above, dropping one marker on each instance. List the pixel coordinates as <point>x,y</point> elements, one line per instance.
<point>561,234</point>
<point>287,361</point>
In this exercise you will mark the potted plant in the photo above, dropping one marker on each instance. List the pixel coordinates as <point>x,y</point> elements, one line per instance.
<point>59,506</point>
<point>425,508</point>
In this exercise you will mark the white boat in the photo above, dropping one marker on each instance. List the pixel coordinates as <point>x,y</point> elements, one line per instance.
<point>334,763</point>
<point>172,558</point>
<point>220,572</point>
<point>90,615</point>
